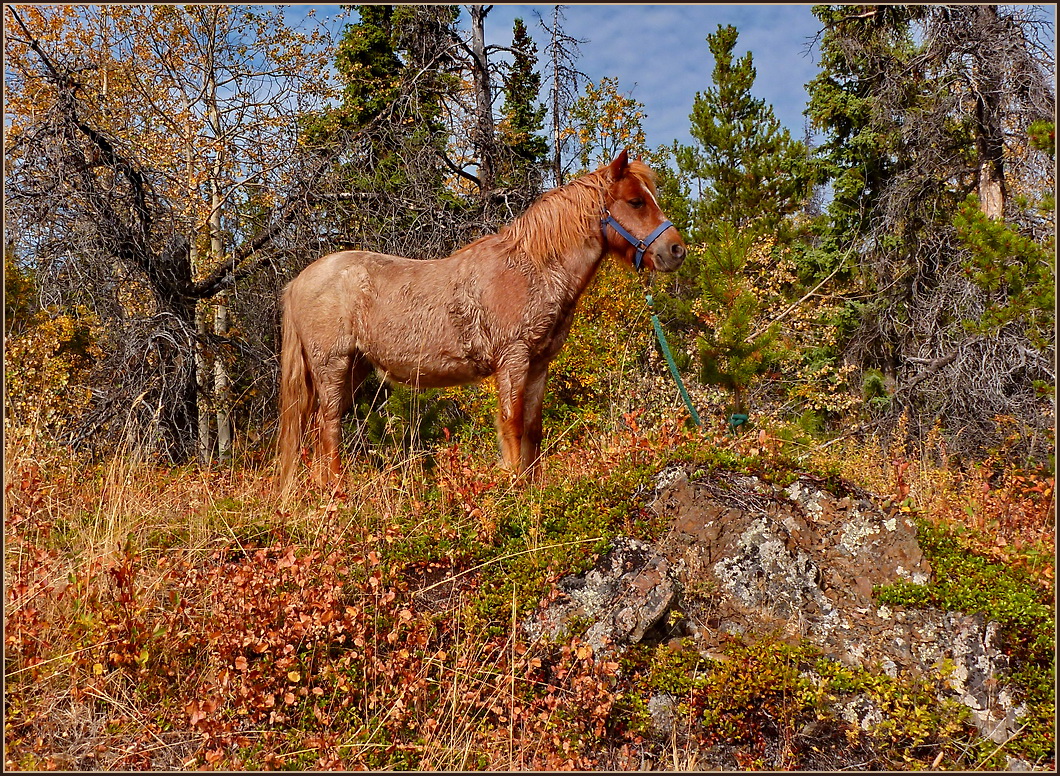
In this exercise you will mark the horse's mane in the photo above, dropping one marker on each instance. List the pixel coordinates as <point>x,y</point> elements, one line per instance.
<point>564,217</point>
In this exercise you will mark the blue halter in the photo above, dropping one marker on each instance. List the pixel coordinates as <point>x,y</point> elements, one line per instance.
<point>640,245</point>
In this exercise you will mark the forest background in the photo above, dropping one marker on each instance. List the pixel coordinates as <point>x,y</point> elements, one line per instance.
<point>876,293</point>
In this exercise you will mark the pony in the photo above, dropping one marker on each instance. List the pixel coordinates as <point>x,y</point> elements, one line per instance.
<point>501,306</point>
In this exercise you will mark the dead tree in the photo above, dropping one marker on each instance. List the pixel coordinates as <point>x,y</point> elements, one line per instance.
<point>101,231</point>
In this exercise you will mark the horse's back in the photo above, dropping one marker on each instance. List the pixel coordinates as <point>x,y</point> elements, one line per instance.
<point>335,272</point>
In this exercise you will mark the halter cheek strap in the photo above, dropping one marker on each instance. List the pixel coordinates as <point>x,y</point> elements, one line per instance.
<point>640,245</point>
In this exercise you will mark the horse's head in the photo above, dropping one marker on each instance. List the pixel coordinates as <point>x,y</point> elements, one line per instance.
<point>634,226</point>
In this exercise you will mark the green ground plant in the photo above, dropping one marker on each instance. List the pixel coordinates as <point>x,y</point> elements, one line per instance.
<point>969,582</point>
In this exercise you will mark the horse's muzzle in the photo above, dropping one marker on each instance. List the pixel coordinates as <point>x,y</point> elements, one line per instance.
<point>668,253</point>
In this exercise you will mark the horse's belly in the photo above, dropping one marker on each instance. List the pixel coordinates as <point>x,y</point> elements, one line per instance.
<point>424,349</point>
<point>437,375</point>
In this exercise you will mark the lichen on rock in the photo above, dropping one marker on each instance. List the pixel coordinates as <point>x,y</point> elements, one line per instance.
<point>798,563</point>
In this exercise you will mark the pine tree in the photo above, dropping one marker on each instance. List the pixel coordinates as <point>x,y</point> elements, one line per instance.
<point>751,171</point>
<point>563,78</point>
<point>732,352</point>
<point>749,176</point>
<point>859,152</point>
<point>399,72</point>
<point>424,37</point>
<point>369,65</point>
<point>523,117</point>
<point>1016,271</point>
<point>922,106</point>
<point>370,70</point>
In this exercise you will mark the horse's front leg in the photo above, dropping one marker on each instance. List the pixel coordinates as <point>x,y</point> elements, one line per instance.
<point>511,413</point>
<point>533,401</point>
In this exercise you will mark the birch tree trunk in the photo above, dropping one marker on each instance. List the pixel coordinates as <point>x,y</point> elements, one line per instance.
<point>204,450</point>
<point>221,380</point>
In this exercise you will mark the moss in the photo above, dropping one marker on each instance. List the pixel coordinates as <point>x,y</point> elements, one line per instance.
<point>632,709</point>
<point>771,691</point>
<point>559,530</point>
<point>968,582</point>
<point>679,674</point>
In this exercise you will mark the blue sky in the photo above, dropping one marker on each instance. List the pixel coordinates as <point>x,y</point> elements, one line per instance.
<point>659,52</point>
<point>660,56</point>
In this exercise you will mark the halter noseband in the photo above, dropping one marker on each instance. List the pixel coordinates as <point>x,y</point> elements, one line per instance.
<point>640,245</point>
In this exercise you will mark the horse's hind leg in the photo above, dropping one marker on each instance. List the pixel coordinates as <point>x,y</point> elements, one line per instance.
<point>331,385</point>
<point>341,378</point>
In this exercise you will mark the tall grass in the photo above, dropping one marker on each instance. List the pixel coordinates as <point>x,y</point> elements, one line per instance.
<point>187,617</point>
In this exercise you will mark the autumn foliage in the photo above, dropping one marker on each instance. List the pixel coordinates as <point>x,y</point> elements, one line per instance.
<point>174,613</point>
<point>186,619</point>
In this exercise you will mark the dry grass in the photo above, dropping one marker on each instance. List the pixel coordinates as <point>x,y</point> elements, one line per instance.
<point>183,618</point>
<point>118,575</point>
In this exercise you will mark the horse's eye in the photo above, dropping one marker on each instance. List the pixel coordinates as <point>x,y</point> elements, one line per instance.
<point>636,202</point>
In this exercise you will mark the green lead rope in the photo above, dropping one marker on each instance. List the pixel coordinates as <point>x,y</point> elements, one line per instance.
<point>735,421</point>
<point>670,361</point>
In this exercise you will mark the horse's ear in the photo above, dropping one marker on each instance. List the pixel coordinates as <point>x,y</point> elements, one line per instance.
<point>619,165</point>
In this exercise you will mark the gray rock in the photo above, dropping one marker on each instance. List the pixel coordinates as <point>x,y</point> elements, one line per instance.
<point>802,562</point>
<point>799,562</point>
<point>662,708</point>
<point>628,592</point>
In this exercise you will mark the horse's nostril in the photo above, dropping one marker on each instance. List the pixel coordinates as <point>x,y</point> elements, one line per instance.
<point>677,250</point>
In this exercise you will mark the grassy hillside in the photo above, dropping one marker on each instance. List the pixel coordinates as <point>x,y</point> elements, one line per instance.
<point>186,618</point>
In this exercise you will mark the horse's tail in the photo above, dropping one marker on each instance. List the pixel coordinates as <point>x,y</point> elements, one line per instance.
<point>295,397</point>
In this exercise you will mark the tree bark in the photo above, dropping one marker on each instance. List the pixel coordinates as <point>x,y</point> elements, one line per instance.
<point>989,138</point>
<point>557,141</point>
<point>221,384</point>
<point>484,136</point>
<point>202,367</point>
<point>202,372</point>
<point>221,380</point>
